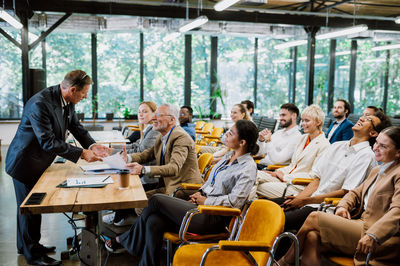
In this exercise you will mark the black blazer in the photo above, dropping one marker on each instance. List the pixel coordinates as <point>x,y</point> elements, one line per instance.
<point>40,137</point>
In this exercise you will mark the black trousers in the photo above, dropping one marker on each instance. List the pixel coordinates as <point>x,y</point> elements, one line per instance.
<point>165,214</point>
<point>28,225</point>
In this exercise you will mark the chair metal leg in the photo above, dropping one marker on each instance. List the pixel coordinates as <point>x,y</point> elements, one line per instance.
<point>169,251</point>
<point>203,259</point>
<point>293,237</point>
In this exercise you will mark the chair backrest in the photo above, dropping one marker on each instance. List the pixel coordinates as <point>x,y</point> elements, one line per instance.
<point>217,132</point>
<point>208,172</point>
<point>395,122</point>
<point>264,221</point>
<point>199,125</point>
<point>204,160</point>
<point>257,120</point>
<point>267,122</point>
<point>353,118</point>
<point>327,123</point>
<point>208,127</point>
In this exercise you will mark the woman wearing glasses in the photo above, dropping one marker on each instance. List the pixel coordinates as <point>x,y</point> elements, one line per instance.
<point>229,184</point>
<point>366,219</point>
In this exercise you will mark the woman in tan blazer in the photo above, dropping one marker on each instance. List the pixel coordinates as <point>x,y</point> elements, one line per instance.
<point>373,226</point>
<point>310,147</point>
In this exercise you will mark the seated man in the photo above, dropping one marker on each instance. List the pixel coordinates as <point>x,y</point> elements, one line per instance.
<point>342,167</point>
<point>370,110</point>
<point>185,120</point>
<point>278,148</point>
<point>341,128</point>
<point>175,155</point>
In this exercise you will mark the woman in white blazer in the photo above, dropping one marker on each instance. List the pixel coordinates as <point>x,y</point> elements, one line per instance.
<point>312,144</point>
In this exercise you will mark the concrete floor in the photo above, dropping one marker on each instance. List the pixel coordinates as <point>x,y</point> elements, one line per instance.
<point>55,229</point>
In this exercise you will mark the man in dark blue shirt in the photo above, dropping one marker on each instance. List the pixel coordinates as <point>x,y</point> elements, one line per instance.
<point>185,120</point>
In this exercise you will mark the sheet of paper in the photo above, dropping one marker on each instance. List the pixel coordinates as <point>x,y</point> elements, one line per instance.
<point>95,167</point>
<point>89,180</point>
<point>115,161</point>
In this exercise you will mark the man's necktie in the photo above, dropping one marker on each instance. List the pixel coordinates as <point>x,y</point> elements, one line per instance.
<point>65,116</point>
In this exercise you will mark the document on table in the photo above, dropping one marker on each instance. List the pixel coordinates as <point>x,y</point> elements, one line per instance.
<point>110,165</point>
<point>89,181</point>
<point>115,161</point>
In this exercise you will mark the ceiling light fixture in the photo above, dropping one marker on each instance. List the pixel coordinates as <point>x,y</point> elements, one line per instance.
<point>193,24</point>
<point>10,19</point>
<point>342,32</point>
<point>224,4</point>
<point>386,47</point>
<point>289,44</point>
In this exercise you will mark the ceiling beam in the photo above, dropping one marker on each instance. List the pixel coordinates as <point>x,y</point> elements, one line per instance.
<point>167,11</point>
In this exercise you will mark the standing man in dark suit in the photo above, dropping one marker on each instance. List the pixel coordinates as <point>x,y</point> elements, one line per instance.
<point>40,137</point>
<point>341,128</point>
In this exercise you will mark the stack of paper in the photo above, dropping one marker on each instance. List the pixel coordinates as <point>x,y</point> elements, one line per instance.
<point>88,181</point>
<point>112,164</point>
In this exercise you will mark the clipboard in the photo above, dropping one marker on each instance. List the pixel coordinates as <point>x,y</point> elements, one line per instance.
<point>64,185</point>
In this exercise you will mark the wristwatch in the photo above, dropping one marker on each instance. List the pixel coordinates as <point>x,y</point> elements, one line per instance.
<point>143,171</point>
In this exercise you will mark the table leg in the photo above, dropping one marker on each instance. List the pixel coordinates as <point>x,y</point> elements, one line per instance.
<point>90,249</point>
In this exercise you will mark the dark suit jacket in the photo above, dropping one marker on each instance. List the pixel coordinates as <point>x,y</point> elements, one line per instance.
<point>343,132</point>
<point>180,160</point>
<point>41,136</point>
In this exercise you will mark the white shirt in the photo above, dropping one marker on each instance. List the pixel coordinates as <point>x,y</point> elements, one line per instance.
<point>336,124</point>
<point>382,169</point>
<point>281,147</point>
<point>342,167</point>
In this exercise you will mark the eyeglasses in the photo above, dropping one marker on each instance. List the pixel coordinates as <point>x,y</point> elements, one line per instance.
<point>79,81</point>
<point>158,115</point>
<point>369,118</point>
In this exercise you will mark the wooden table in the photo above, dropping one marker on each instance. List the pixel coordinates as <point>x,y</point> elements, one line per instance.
<point>88,200</point>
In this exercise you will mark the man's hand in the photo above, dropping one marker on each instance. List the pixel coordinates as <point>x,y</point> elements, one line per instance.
<point>280,175</point>
<point>265,135</point>
<point>101,150</point>
<point>294,202</point>
<point>90,156</point>
<point>135,168</point>
<point>366,244</point>
<point>197,198</point>
<point>341,211</point>
<point>124,154</point>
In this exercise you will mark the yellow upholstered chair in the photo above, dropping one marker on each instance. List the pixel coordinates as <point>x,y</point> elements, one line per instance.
<point>133,127</point>
<point>206,130</point>
<point>204,161</point>
<point>263,223</point>
<point>199,125</point>
<point>214,138</point>
<point>198,149</point>
<point>302,181</point>
<point>272,167</point>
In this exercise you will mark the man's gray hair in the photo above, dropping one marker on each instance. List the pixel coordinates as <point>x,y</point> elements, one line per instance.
<point>172,110</point>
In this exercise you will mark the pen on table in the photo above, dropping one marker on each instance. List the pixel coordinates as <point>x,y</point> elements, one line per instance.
<point>105,178</point>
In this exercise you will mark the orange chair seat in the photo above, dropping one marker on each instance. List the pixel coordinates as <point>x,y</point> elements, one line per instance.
<point>344,261</point>
<point>191,255</point>
<point>174,237</point>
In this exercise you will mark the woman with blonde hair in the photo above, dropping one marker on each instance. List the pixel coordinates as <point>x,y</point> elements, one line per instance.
<point>310,147</point>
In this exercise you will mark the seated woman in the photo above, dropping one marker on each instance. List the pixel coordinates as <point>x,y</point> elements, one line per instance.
<point>374,223</point>
<point>312,144</point>
<point>238,112</point>
<point>229,184</point>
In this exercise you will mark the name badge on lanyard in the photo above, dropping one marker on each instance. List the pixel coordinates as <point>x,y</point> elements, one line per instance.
<point>221,168</point>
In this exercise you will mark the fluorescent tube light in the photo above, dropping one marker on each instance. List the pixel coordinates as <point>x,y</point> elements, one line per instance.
<point>194,24</point>
<point>386,47</point>
<point>224,4</point>
<point>289,44</point>
<point>342,32</point>
<point>10,19</point>
<point>171,36</point>
<point>397,20</point>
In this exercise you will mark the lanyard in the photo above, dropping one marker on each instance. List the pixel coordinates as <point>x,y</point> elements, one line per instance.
<point>165,146</point>
<point>222,167</point>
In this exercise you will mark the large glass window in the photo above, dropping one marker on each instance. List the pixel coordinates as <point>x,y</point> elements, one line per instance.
<point>118,73</point>
<point>67,52</point>
<point>272,78</point>
<point>369,76</point>
<point>394,83</point>
<point>342,70</point>
<point>301,73</point>
<point>164,67</point>
<point>10,78</point>
<point>200,74</point>
<point>321,73</point>
<point>235,71</point>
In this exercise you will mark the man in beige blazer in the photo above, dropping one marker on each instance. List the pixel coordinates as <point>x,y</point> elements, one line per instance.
<point>174,152</point>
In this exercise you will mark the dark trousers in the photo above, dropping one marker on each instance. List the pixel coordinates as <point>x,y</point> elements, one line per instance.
<point>28,225</point>
<point>294,219</point>
<point>165,214</point>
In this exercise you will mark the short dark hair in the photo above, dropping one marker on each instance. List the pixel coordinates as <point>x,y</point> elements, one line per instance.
<point>385,123</point>
<point>189,109</point>
<point>291,107</point>
<point>376,109</point>
<point>249,104</point>
<point>248,131</point>
<point>77,78</point>
<point>346,106</point>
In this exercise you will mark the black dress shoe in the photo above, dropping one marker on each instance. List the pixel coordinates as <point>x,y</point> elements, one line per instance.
<point>44,260</point>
